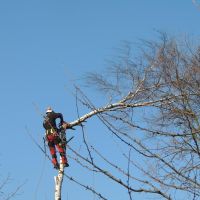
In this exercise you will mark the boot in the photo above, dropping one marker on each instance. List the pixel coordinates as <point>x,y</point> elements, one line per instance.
<point>55,163</point>
<point>66,165</point>
<point>56,166</point>
<point>64,161</point>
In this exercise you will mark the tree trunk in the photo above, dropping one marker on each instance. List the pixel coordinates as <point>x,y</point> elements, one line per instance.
<point>58,182</point>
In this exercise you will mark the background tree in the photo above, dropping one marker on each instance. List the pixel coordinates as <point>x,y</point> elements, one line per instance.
<point>196,3</point>
<point>4,194</point>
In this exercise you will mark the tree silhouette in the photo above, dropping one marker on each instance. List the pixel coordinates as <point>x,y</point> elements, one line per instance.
<point>8,195</point>
<point>152,115</point>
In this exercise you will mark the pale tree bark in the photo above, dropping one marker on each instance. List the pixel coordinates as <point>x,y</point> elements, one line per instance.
<point>59,178</point>
<point>58,181</point>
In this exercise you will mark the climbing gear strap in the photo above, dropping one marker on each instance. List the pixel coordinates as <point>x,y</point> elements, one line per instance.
<point>50,131</point>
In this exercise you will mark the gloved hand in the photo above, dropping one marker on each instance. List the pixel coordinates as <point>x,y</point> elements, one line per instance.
<point>60,124</point>
<point>65,125</point>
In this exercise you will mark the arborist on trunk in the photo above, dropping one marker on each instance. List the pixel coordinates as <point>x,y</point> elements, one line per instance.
<point>53,136</point>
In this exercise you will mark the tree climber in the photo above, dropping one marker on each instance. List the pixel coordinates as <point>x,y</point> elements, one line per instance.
<point>52,136</point>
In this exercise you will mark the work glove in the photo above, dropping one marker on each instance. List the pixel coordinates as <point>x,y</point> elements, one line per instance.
<point>60,124</point>
<point>65,125</point>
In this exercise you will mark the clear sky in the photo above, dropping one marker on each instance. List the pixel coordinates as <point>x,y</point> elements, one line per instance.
<point>45,47</point>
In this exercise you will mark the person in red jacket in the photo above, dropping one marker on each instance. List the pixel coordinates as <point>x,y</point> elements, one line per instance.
<point>52,136</point>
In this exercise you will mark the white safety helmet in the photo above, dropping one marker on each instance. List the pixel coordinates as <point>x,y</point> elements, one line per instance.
<point>49,109</point>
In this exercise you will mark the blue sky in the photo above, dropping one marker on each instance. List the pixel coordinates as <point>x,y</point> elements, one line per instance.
<point>45,48</point>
